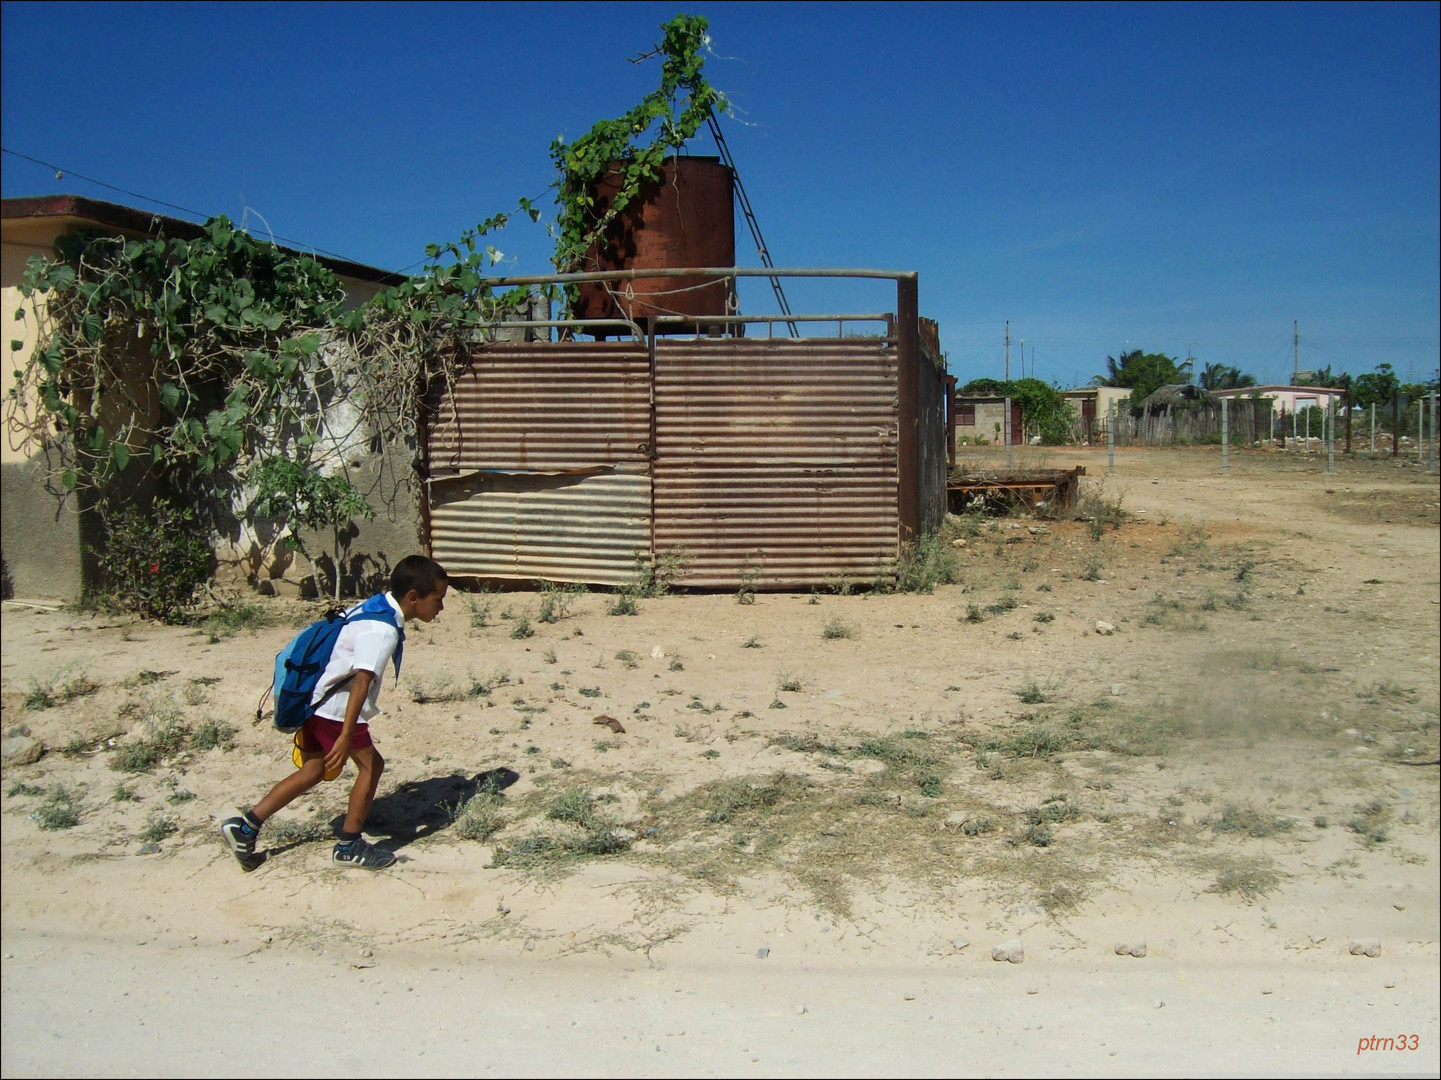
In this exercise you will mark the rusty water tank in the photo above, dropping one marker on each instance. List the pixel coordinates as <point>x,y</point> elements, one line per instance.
<point>684,219</point>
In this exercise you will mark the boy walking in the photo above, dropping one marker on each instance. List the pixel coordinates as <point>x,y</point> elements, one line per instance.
<point>342,706</point>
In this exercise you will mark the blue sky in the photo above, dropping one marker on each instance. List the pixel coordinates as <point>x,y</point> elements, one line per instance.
<point>1155,176</point>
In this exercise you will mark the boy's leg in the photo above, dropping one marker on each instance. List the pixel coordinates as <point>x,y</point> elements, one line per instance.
<point>240,833</point>
<point>353,850</point>
<point>370,765</point>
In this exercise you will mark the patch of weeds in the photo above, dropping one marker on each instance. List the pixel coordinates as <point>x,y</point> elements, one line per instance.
<point>479,607</point>
<point>622,603</point>
<point>1016,635</point>
<point>548,656</point>
<point>478,818</point>
<point>179,795</point>
<point>978,826</point>
<point>1038,738</point>
<point>628,658</point>
<point>310,831</point>
<point>1091,568</point>
<point>840,586</point>
<point>1032,693</point>
<point>1043,617</point>
<point>808,743</point>
<point>1251,879</point>
<point>48,695</point>
<point>556,601</point>
<point>20,788</point>
<point>1044,586</point>
<point>588,691</point>
<point>1189,540</point>
<point>575,805</point>
<point>1387,690</point>
<point>675,664</point>
<point>973,614</point>
<point>60,810</point>
<point>752,642</point>
<point>522,628</point>
<point>750,577</point>
<point>231,619</point>
<point>1000,607</point>
<point>1370,822</point>
<point>167,735</point>
<point>79,746</point>
<point>1038,834</point>
<point>926,562</point>
<point>710,755</point>
<point>123,794</point>
<point>1061,899</point>
<point>212,735</point>
<point>837,629</point>
<point>726,800</point>
<point>603,746</point>
<point>787,682</point>
<point>1244,819</point>
<point>158,827</point>
<point>1053,811</point>
<point>931,785</point>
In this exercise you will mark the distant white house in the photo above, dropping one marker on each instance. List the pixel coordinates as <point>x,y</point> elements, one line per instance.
<point>1288,398</point>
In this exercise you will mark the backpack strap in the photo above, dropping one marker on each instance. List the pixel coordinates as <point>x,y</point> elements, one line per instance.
<point>378,609</point>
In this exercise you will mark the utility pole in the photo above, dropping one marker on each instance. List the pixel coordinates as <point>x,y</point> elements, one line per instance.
<point>1295,350</point>
<point>1023,358</point>
<point>1008,350</point>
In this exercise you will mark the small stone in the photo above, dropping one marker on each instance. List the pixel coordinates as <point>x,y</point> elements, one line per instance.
<point>908,997</point>
<point>800,1010</point>
<point>1399,907</point>
<point>1139,951</point>
<point>1365,947</point>
<point>1010,952</point>
<point>762,953</point>
<point>149,849</point>
<point>20,750</point>
<point>1122,949</point>
<point>657,653</point>
<point>1103,627</point>
<point>1118,689</point>
<point>960,943</point>
<point>1266,991</point>
<point>1032,990</point>
<point>960,543</point>
<point>367,952</point>
<point>502,908</point>
<point>1160,1004</point>
<point>1389,985</point>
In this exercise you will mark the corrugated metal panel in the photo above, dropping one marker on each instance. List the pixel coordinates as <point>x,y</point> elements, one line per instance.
<point>539,462</point>
<point>543,406</point>
<point>777,454</point>
<point>554,528</point>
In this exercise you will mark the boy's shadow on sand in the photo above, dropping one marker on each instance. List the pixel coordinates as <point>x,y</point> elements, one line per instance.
<point>420,808</point>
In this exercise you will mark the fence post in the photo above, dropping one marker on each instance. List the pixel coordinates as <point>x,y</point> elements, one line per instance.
<point>1006,432</point>
<point>1431,451</point>
<point>1331,434</point>
<point>1373,429</point>
<point>1111,439</point>
<point>1225,436</point>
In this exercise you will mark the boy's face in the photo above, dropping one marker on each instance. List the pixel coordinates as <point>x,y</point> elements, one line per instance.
<point>426,608</point>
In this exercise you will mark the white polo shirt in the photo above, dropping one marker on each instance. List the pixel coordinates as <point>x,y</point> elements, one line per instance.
<point>366,645</point>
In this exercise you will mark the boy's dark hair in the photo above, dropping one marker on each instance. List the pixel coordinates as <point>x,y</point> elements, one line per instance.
<point>418,573</point>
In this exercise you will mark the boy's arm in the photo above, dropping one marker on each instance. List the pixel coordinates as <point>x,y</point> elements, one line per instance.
<point>359,688</point>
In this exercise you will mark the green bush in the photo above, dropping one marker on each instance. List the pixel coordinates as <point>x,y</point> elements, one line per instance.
<point>154,559</point>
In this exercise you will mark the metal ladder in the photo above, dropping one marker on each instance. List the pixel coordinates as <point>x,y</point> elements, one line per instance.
<point>744,202</point>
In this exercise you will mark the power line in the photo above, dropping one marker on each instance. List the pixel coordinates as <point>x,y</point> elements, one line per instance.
<point>61,172</point>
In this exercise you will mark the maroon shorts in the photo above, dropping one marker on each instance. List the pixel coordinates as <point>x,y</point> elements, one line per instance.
<point>320,734</point>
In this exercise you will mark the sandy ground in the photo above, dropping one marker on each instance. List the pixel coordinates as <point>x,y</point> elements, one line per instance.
<point>799,856</point>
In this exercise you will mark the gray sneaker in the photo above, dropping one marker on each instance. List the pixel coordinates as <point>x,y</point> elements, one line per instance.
<point>241,845</point>
<point>362,854</point>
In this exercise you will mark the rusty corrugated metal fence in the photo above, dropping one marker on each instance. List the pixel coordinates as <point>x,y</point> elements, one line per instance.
<point>776,458</point>
<point>539,459</point>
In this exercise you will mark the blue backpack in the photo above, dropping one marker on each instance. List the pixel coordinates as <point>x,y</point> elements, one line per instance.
<point>300,664</point>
